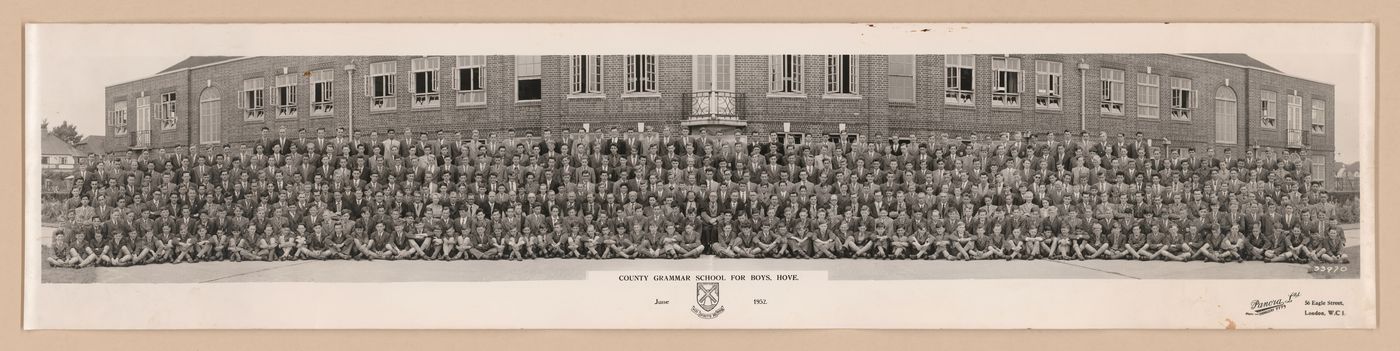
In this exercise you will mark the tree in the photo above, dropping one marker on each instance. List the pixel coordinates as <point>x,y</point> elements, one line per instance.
<point>66,132</point>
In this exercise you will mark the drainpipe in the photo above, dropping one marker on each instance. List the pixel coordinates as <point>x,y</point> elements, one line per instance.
<point>350,94</point>
<point>1083,93</point>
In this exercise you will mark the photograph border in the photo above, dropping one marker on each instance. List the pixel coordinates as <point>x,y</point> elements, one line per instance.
<point>1385,15</point>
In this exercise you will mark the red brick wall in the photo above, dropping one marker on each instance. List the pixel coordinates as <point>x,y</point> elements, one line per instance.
<point>871,114</point>
<point>152,87</point>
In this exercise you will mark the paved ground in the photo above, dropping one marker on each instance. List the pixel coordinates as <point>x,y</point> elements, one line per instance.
<point>560,269</point>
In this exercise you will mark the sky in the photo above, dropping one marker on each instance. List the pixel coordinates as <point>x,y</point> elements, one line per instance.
<point>69,67</point>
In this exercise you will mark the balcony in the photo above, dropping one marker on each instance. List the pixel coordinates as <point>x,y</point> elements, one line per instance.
<point>1295,138</point>
<point>143,139</point>
<point>715,108</point>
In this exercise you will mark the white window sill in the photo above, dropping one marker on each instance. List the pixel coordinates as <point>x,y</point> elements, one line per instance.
<point>527,102</point>
<point>426,107</point>
<point>585,96</point>
<point>473,104</point>
<point>650,94</point>
<point>841,96</point>
<point>1006,107</point>
<point>786,95</point>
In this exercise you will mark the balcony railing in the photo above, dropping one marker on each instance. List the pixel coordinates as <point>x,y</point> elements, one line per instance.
<point>1295,138</point>
<point>722,107</point>
<point>143,139</point>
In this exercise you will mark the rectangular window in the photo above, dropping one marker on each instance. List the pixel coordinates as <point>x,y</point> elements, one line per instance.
<point>1269,109</point>
<point>209,119</point>
<point>425,82</point>
<point>469,91</point>
<point>143,114</point>
<point>322,86</point>
<point>641,74</point>
<point>785,74</point>
<point>1183,99</point>
<point>789,138</point>
<point>527,78</point>
<point>1007,92</point>
<point>1149,95</point>
<point>1047,84</point>
<point>902,78</point>
<point>1319,116</point>
<point>118,118</point>
<point>585,74</point>
<point>285,95</point>
<point>842,74</point>
<point>381,87</point>
<point>251,100</point>
<point>165,110</point>
<point>958,90</point>
<point>714,73</point>
<point>143,121</point>
<point>1319,168</point>
<point>1111,101</point>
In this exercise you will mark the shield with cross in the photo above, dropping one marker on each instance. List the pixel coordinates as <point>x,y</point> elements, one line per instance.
<point>707,295</point>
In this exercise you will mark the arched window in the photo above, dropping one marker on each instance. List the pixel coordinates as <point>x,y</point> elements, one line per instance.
<point>1226,116</point>
<point>210,130</point>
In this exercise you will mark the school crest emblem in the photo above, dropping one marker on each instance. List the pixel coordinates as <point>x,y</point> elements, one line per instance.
<point>707,300</point>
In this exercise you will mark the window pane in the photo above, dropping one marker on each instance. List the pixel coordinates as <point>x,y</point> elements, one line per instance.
<point>528,89</point>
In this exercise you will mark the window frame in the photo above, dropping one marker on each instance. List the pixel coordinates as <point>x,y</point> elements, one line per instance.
<point>786,136</point>
<point>119,118</point>
<point>1002,94</point>
<point>1268,112</point>
<point>585,76</point>
<point>166,111</point>
<point>786,75</point>
<point>1295,112</point>
<point>707,76</point>
<point>284,96</point>
<point>1049,85</point>
<point>640,76</point>
<point>143,114</point>
<point>425,68</point>
<point>842,76</point>
<point>209,112</point>
<point>911,85</point>
<point>1227,133</point>
<point>1184,99</point>
<point>1112,82</point>
<point>537,76</point>
<point>383,98</point>
<point>953,87</point>
<point>322,92</point>
<point>1318,114</point>
<point>474,95</point>
<point>251,99</point>
<point>1149,95</point>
